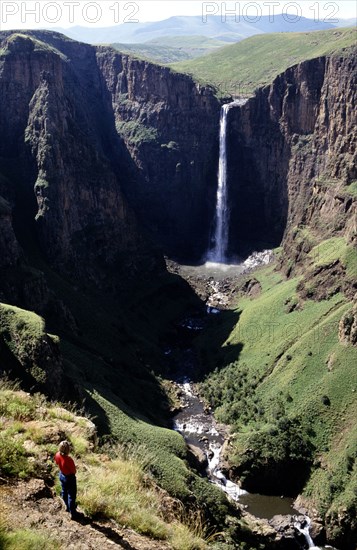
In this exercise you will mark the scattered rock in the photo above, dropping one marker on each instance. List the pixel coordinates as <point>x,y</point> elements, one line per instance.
<point>197,458</point>
<point>284,525</point>
<point>36,489</point>
<point>251,287</point>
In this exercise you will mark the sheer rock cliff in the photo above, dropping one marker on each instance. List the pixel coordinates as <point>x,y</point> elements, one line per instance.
<point>293,154</point>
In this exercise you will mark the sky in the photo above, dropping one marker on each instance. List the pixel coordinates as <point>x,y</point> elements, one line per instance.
<point>18,14</point>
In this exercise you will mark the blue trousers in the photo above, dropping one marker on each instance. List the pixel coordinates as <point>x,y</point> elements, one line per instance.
<point>69,491</point>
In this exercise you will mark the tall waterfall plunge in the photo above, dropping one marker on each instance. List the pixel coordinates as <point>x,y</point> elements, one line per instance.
<point>218,252</point>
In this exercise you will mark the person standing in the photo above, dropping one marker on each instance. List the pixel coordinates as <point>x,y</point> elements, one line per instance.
<point>67,477</point>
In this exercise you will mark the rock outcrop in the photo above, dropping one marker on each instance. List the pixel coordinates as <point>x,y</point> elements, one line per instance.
<point>31,354</point>
<point>85,132</point>
<point>348,326</point>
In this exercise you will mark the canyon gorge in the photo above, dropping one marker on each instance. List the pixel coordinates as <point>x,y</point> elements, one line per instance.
<point>108,167</point>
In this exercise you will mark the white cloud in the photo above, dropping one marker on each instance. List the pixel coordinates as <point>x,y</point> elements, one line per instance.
<point>101,13</point>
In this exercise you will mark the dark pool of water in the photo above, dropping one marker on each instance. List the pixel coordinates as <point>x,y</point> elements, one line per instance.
<point>263,506</point>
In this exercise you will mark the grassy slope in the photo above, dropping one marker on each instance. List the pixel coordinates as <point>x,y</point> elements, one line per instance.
<point>116,484</point>
<point>242,67</point>
<point>111,354</point>
<point>292,365</point>
<point>171,49</point>
<point>123,395</point>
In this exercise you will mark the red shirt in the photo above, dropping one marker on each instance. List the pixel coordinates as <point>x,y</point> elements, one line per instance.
<point>65,463</point>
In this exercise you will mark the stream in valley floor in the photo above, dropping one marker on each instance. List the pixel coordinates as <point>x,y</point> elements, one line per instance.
<point>196,422</point>
<point>200,429</point>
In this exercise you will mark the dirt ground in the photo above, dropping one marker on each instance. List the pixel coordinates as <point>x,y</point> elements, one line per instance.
<point>31,504</point>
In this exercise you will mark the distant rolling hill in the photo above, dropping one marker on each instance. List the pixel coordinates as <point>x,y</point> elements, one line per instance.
<point>170,49</point>
<point>239,68</point>
<point>229,31</point>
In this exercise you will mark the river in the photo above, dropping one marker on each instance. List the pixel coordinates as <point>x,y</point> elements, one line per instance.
<point>199,428</point>
<point>197,423</point>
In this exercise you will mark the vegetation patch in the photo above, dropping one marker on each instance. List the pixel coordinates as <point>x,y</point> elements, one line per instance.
<point>26,350</point>
<point>27,539</point>
<point>171,49</point>
<point>136,133</point>
<point>332,269</point>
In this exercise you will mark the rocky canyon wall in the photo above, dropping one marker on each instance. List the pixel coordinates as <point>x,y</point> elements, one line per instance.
<point>169,124</point>
<point>292,150</point>
<point>91,136</point>
<point>59,158</point>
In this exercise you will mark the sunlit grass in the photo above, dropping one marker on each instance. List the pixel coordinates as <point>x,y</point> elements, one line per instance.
<point>120,490</point>
<point>240,68</point>
<point>27,539</point>
<point>115,483</point>
<point>280,365</point>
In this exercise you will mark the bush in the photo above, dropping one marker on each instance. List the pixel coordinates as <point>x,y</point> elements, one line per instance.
<point>325,400</point>
<point>13,460</point>
<point>277,458</point>
<point>18,406</point>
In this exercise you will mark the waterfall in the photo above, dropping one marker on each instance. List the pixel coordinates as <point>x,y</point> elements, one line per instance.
<point>233,490</point>
<point>305,530</point>
<point>218,252</point>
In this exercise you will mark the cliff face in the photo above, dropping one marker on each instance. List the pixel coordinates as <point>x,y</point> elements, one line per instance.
<point>85,132</point>
<point>58,154</point>
<point>292,179</point>
<point>293,157</point>
<point>83,127</point>
<point>169,125</point>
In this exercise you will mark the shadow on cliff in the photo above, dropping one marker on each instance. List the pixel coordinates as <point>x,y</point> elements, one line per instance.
<point>199,344</point>
<point>213,346</point>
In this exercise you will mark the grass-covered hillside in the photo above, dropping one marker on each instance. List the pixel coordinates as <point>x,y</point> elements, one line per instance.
<point>241,68</point>
<point>171,49</point>
<point>114,482</point>
<point>286,381</point>
<point>108,358</point>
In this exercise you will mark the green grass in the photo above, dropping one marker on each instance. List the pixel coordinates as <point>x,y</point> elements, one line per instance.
<point>22,332</point>
<point>170,470</point>
<point>336,248</point>
<point>352,188</point>
<point>114,367</point>
<point>114,482</point>
<point>27,539</point>
<point>328,251</point>
<point>279,366</point>
<point>24,323</point>
<point>171,49</point>
<point>120,490</point>
<point>29,39</point>
<point>136,132</point>
<point>241,68</point>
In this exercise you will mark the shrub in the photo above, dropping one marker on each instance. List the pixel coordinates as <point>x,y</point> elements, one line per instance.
<point>18,406</point>
<point>325,400</point>
<point>13,460</point>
